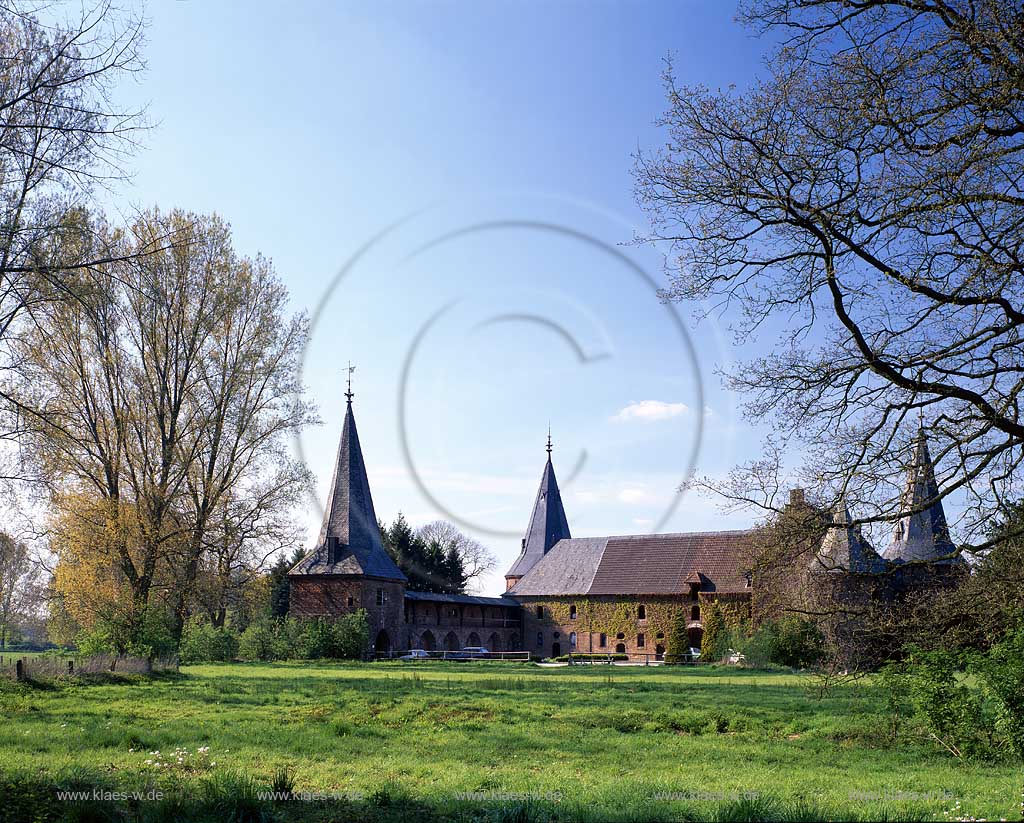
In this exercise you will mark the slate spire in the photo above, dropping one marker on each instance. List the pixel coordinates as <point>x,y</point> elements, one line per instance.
<point>844,549</point>
<point>922,533</point>
<point>349,541</point>
<point>548,523</point>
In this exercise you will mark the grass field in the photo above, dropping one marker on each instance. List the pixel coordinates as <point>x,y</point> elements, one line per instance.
<point>478,742</point>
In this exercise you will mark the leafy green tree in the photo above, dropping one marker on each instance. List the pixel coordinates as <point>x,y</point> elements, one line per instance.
<point>279,588</point>
<point>435,558</point>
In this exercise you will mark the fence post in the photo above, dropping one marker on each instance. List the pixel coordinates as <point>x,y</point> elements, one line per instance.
<point>19,670</point>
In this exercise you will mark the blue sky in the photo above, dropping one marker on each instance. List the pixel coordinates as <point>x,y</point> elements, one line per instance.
<point>447,188</point>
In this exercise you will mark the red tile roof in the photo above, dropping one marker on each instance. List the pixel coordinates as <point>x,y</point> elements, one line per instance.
<point>641,564</point>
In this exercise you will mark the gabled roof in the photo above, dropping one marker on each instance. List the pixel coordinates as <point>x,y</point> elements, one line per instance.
<point>349,542</point>
<point>548,523</point>
<point>921,535</point>
<point>649,564</point>
<point>569,568</point>
<point>844,549</point>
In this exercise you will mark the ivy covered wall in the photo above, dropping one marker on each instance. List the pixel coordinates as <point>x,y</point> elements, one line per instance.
<point>614,615</point>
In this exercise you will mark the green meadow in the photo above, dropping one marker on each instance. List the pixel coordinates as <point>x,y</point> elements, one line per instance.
<point>480,741</point>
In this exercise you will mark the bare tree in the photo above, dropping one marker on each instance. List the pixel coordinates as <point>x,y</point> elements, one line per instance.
<point>862,204</point>
<point>477,559</point>
<point>61,134</point>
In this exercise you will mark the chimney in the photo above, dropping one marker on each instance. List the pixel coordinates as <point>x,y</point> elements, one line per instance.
<point>796,497</point>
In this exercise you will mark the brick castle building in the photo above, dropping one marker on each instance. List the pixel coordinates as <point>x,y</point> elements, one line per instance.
<point>616,594</point>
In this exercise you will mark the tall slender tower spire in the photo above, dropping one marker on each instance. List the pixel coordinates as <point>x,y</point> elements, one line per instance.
<point>349,542</point>
<point>548,523</point>
<point>922,534</point>
<point>844,549</point>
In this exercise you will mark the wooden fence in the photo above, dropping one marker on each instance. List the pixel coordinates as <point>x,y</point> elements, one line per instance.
<point>47,667</point>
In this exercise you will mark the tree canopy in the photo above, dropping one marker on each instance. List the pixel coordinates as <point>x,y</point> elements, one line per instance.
<point>861,204</point>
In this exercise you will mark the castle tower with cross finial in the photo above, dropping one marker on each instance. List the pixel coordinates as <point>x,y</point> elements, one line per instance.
<point>548,523</point>
<point>348,568</point>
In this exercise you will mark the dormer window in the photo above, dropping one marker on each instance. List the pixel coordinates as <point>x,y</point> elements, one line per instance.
<point>641,612</point>
<point>748,580</point>
<point>572,612</point>
<point>540,612</point>
<point>382,597</point>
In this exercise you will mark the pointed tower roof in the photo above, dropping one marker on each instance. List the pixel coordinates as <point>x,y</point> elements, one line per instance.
<point>349,541</point>
<point>844,549</point>
<point>548,523</point>
<point>923,534</point>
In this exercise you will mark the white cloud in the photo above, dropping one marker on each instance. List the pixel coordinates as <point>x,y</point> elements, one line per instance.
<point>649,411</point>
<point>636,496</point>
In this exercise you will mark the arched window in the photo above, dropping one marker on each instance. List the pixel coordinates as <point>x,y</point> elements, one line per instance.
<point>640,641</point>
<point>572,640</point>
<point>660,635</point>
<point>620,636</point>
<point>620,648</point>
<point>602,640</point>
<point>572,612</point>
<point>540,612</point>
<point>641,612</point>
<point>695,613</point>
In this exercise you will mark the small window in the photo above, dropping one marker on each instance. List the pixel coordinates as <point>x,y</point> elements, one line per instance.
<point>660,635</point>
<point>620,636</point>
<point>602,641</point>
<point>747,580</point>
<point>351,602</point>
<point>572,612</point>
<point>540,612</point>
<point>640,641</point>
<point>540,640</point>
<point>695,613</point>
<point>572,640</point>
<point>556,635</point>
<point>382,597</point>
<point>641,612</point>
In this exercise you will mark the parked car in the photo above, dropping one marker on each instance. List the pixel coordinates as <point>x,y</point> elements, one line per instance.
<point>416,654</point>
<point>694,653</point>
<point>476,651</point>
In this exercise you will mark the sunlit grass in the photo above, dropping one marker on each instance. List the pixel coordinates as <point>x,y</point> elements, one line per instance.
<point>599,743</point>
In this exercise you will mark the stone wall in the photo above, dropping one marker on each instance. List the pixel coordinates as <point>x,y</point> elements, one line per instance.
<point>637,626</point>
<point>332,596</point>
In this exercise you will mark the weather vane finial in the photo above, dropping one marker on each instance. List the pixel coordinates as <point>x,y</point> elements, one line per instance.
<point>348,393</point>
<point>549,439</point>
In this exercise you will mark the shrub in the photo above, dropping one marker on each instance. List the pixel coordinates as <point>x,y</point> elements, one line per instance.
<point>201,641</point>
<point>967,721</point>
<point>152,639</point>
<point>1001,675</point>
<point>260,641</point>
<point>343,638</point>
<point>789,641</point>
